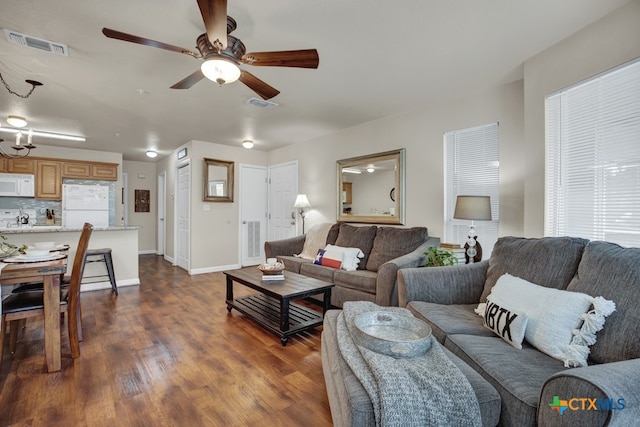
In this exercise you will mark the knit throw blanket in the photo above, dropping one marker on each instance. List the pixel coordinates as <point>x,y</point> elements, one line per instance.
<point>427,390</point>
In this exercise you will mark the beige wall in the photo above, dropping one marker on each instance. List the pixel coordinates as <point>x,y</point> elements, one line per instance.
<point>607,43</point>
<point>214,232</point>
<point>421,133</point>
<point>142,176</point>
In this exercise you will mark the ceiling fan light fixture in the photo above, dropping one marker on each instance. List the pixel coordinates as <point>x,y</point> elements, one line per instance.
<point>220,70</point>
<point>17,121</point>
<point>248,144</point>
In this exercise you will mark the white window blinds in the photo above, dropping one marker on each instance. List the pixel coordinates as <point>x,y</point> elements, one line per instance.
<point>471,168</point>
<point>592,187</point>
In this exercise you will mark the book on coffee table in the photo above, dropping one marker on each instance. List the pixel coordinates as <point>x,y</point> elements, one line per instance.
<point>273,277</point>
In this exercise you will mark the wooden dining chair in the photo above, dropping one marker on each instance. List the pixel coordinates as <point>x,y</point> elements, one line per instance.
<point>17,307</point>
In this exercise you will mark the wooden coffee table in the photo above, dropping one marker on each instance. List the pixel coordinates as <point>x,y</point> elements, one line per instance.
<point>272,307</point>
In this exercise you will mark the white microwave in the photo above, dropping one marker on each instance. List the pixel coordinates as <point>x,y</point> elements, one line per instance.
<point>17,185</point>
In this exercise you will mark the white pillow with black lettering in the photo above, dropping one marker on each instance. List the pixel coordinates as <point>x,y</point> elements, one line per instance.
<point>506,322</point>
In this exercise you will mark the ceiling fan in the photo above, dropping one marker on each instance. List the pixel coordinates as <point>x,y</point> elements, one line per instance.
<point>222,53</point>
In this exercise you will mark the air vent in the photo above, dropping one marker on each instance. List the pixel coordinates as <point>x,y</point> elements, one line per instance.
<point>36,43</point>
<point>262,103</point>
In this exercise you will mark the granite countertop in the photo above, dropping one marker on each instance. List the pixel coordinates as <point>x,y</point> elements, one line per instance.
<point>55,229</point>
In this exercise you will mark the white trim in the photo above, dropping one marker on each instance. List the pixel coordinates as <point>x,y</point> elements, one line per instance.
<point>96,286</point>
<point>147,252</point>
<point>215,269</point>
<point>169,259</point>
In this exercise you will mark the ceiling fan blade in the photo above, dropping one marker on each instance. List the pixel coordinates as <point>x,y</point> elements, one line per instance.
<point>258,86</point>
<point>189,81</point>
<point>214,15</point>
<point>287,58</point>
<point>118,35</point>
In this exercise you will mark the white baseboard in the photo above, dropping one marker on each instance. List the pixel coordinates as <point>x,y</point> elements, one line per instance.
<point>87,287</point>
<point>169,259</point>
<point>147,251</point>
<point>214,269</point>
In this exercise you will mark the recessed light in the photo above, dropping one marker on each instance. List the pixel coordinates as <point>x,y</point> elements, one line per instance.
<point>152,154</point>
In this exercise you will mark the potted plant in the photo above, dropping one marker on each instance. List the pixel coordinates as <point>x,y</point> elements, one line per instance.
<point>438,257</point>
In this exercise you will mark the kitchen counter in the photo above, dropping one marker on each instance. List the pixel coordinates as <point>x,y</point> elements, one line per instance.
<point>58,228</point>
<point>123,242</point>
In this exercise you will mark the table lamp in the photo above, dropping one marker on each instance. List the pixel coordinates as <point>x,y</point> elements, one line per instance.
<point>474,208</point>
<point>302,202</point>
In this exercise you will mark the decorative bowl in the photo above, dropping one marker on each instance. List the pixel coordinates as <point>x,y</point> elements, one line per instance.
<point>270,269</point>
<point>392,334</point>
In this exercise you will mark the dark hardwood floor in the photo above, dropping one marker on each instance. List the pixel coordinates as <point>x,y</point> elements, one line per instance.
<point>166,353</point>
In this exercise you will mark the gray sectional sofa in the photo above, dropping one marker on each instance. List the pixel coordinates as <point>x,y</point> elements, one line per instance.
<point>527,379</point>
<point>386,250</point>
<point>518,387</point>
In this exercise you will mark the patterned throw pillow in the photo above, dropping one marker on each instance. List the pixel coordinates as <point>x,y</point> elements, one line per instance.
<point>504,321</point>
<point>329,258</point>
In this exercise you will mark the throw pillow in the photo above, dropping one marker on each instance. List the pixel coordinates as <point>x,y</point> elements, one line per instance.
<point>357,237</point>
<point>391,243</point>
<point>561,324</point>
<point>350,256</point>
<point>315,239</point>
<point>329,258</point>
<point>504,321</point>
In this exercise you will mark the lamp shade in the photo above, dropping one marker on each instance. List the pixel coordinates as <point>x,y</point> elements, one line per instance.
<point>301,202</point>
<point>475,208</point>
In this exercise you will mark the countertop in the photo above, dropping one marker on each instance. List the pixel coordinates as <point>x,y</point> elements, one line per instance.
<point>56,229</point>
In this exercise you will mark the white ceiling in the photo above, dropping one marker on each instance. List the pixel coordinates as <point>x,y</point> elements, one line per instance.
<point>377,58</point>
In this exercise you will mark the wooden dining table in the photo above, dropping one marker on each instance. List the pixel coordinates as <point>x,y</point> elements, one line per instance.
<point>50,273</point>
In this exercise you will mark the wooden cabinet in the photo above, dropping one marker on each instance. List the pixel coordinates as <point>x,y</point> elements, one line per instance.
<point>3,164</point>
<point>48,180</point>
<point>90,170</point>
<point>23,165</point>
<point>346,192</point>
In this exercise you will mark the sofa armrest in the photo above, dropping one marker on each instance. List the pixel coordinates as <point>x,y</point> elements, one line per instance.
<point>387,279</point>
<point>458,284</point>
<point>285,247</point>
<point>609,386</point>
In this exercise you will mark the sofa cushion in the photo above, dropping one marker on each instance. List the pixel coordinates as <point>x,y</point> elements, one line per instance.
<point>333,233</point>
<point>390,243</point>
<point>319,272</point>
<point>449,319</point>
<point>518,375</point>
<point>561,323</point>
<point>357,237</point>
<point>361,280</point>
<point>548,261</point>
<point>612,271</point>
<point>292,263</point>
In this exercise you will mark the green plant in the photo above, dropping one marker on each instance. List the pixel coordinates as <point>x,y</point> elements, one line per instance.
<point>437,257</point>
<point>9,249</point>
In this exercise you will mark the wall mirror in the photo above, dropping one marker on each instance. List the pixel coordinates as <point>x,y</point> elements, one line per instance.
<point>371,188</point>
<point>217,180</point>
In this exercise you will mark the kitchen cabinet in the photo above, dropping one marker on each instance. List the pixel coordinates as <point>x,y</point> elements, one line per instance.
<point>90,170</point>
<point>346,192</point>
<point>23,165</point>
<point>48,180</point>
<point>3,164</point>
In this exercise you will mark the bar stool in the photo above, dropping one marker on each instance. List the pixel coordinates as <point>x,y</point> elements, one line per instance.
<point>101,255</point>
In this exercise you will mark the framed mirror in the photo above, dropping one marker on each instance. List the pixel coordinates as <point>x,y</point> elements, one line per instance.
<point>371,188</point>
<point>217,180</point>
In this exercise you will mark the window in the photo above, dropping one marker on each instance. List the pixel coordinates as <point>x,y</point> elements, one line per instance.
<point>471,168</point>
<point>592,187</point>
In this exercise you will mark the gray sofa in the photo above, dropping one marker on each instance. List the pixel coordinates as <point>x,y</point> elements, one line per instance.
<point>526,379</point>
<point>386,250</point>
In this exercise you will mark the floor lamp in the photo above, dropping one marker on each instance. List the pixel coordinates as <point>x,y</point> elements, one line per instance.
<point>474,208</point>
<point>302,202</point>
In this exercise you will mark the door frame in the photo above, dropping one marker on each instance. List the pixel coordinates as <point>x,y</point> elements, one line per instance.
<point>162,213</point>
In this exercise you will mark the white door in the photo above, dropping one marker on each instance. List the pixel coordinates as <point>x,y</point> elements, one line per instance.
<point>161,212</point>
<point>253,213</point>
<point>182,210</point>
<point>283,188</point>
<point>125,199</point>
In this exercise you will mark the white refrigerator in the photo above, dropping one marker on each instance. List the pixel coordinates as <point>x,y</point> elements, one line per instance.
<point>85,203</point>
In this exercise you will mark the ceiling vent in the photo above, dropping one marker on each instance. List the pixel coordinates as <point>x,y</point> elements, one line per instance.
<point>262,103</point>
<point>36,43</point>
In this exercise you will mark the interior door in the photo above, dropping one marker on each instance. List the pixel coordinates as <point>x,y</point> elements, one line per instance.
<point>183,214</point>
<point>283,188</point>
<point>253,213</point>
<point>161,212</point>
